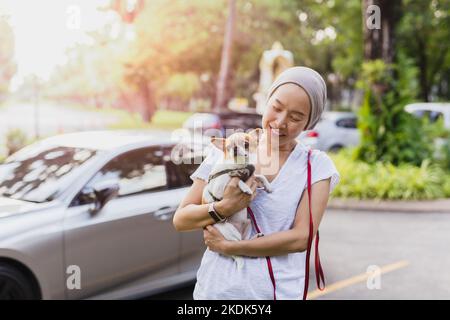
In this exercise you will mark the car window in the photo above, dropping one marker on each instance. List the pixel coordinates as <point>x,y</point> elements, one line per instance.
<point>178,172</point>
<point>348,123</point>
<point>435,116</point>
<point>136,171</point>
<point>37,172</point>
<point>243,121</point>
<point>430,115</point>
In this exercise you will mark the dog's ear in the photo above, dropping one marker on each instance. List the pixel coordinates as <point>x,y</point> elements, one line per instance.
<point>219,143</point>
<point>256,134</point>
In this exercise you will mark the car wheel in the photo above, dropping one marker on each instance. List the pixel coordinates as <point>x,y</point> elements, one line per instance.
<point>335,148</point>
<point>14,285</point>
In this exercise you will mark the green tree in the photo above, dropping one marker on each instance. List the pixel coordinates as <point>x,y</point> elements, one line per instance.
<point>173,38</point>
<point>424,34</point>
<point>382,121</point>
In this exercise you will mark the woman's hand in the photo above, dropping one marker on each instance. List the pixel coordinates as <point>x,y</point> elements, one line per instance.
<point>234,199</point>
<point>214,240</point>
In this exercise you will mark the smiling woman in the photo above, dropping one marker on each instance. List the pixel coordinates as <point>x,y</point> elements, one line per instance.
<point>295,103</point>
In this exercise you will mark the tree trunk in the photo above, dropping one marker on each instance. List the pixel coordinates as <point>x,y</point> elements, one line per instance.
<point>423,67</point>
<point>225,63</point>
<point>379,40</point>
<point>148,100</point>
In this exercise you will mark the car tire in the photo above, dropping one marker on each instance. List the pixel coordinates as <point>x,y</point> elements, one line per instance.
<point>14,285</point>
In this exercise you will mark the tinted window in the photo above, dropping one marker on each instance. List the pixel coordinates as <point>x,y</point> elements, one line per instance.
<point>35,173</point>
<point>136,171</point>
<point>431,116</point>
<point>243,121</point>
<point>349,123</point>
<point>435,116</point>
<point>178,174</point>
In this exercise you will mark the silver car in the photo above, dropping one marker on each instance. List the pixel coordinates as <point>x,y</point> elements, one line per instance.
<point>431,110</point>
<point>89,215</point>
<point>334,131</point>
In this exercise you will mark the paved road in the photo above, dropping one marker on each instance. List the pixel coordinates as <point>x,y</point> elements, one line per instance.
<point>411,250</point>
<point>52,119</point>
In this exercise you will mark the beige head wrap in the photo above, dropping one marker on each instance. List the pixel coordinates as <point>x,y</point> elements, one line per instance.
<point>314,85</point>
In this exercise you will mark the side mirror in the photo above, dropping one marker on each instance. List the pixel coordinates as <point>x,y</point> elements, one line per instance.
<point>102,193</point>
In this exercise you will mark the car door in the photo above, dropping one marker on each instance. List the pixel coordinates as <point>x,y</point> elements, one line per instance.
<point>191,242</point>
<point>133,235</point>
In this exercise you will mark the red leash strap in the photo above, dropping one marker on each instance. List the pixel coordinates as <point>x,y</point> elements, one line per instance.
<point>269,263</point>
<point>318,267</point>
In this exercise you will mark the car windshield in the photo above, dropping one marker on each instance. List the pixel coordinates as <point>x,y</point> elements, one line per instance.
<point>36,172</point>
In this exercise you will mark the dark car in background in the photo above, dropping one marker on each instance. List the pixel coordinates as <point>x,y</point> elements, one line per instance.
<point>209,123</point>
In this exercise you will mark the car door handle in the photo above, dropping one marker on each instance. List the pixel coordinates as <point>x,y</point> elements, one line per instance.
<point>164,213</point>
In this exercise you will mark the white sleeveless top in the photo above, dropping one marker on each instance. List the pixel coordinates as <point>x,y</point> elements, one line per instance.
<point>218,276</point>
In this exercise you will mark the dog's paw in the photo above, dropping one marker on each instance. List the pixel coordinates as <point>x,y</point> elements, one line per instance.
<point>244,187</point>
<point>263,183</point>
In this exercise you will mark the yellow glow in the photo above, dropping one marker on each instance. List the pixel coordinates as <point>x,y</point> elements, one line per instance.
<point>45,29</point>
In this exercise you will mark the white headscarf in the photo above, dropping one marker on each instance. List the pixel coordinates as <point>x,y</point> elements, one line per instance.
<point>314,85</point>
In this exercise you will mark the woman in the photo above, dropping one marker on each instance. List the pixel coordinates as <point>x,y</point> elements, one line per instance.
<point>295,103</point>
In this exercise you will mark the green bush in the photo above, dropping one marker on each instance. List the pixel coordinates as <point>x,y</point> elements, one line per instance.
<point>388,133</point>
<point>445,153</point>
<point>16,139</point>
<point>385,181</point>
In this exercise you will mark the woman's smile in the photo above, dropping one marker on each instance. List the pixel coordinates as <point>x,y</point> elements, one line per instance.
<point>276,132</point>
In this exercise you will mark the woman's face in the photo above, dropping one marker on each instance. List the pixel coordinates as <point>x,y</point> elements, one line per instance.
<point>287,113</point>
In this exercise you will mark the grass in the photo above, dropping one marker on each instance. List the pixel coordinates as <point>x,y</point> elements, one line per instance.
<point>162,119</point>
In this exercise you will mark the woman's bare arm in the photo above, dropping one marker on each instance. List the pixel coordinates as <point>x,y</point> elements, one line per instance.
<point>284,242</point>
<point>192,215</point>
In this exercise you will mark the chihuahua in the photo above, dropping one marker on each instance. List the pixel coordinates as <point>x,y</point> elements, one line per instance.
<point>240,152</point>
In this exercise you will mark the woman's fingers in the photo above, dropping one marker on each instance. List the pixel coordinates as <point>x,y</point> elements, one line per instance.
<point>250,180</point>
<point>235,181</point>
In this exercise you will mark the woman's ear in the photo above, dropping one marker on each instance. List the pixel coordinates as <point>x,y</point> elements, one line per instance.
<point>219,143</point>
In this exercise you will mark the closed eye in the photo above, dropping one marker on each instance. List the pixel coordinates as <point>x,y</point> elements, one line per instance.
<point>276,109</point>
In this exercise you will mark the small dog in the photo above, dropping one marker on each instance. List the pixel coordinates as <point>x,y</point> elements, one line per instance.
<point>239,153</point>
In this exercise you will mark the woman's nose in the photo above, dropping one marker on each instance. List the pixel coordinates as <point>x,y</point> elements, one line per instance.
<point>280,122</point>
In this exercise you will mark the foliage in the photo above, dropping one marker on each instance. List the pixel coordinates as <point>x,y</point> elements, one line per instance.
<point>385,181</point>
<point>182,86</point>
<point>16,139</point>
<point>445,151</point>
<point>388,133</point>
<point>423,35</point>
